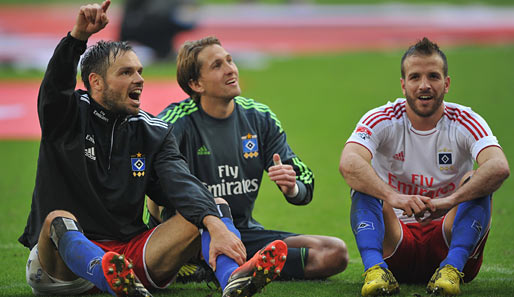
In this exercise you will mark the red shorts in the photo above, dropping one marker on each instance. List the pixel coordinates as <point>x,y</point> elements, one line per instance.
<point>135,251</point>
<point>422,249</point>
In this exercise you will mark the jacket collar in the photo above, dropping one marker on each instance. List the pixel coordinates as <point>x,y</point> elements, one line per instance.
<point>103,115</point>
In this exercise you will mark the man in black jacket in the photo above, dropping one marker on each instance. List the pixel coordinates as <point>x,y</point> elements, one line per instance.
<point>99,156</point>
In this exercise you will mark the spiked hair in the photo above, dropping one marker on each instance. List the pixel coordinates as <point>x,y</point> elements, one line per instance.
<point>425,47</point>
<point>98,58</point>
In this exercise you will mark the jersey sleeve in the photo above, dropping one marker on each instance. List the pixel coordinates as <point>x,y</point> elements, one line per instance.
<point>182,190</point>
<point>276,142</point>
<point>473,130</point>
<point>372,127</point>
<point>56,98</point>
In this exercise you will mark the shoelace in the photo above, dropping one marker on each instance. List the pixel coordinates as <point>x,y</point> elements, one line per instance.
<point>372,271</point>
<point>456,276</point>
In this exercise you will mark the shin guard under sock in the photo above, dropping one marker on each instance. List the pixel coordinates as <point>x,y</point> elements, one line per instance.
<point>84,258</point>
<point>469,226</point>
<point>224,265</point>
<point>368,228</point>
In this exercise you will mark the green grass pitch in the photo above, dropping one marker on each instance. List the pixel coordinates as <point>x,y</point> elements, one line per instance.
<point>318,99</point>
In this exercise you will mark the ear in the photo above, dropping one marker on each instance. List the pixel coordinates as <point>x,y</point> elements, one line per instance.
<point>402,82</point>
<point>446,84</point>
<point>196,86</point>
<point>96,81</point>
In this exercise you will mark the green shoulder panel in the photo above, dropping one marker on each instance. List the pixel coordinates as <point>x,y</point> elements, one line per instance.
<point>180,110</point>
<point>252,104</point>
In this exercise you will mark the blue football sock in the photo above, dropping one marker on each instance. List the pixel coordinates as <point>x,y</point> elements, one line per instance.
<point>84,258</point>
<point>224,265</point>
<point>368,228</point>
<point>469,226</point>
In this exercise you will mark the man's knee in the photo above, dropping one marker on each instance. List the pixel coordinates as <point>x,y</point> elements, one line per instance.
<point>45,230</point>
<point>48,254</point>
<point>324,255</point>
<point>337,252</point>
<point>58,213</point>
<point>60,223</point>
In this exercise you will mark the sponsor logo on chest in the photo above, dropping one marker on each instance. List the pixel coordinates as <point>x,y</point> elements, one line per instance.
<point>101,115</point>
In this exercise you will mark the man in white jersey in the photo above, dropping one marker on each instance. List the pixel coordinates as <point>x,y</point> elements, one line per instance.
<point>414,157</point>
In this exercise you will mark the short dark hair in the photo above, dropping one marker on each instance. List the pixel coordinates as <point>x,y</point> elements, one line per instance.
<point>425,47</point>
<point>97,58</point>
<point>188,66</point>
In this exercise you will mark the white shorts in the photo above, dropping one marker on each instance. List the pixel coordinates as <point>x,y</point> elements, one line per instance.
<point>44,284</point>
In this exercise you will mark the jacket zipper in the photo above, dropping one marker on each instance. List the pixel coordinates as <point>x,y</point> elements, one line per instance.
<point>112,143</point>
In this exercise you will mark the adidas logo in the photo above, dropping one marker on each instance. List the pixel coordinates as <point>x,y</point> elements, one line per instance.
<point>400,156</point>
<point>90,153</point>
<point>203,151</point>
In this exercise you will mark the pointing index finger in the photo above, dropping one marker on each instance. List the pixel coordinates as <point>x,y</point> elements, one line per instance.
<point>105,5</point>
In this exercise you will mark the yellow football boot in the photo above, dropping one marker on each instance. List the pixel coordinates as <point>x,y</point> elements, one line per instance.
<point>445,281</point>
<point>379,281</point>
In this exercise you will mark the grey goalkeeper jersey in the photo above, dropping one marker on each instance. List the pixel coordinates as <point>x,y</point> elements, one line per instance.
<point>230,155</point>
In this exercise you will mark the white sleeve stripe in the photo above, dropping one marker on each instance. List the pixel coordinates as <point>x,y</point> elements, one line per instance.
<point>154,121</point>
<point>151,119</point>
<point>85,98</point>
<point>140,118</point>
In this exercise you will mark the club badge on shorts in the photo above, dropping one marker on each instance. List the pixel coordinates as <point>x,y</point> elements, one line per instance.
<point>250,146</point>
<point>138,165</point>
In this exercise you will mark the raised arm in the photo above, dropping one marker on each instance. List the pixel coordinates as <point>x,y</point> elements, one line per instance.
<point>91,19</point>
<point>356,169</point>
<point>55,105</point>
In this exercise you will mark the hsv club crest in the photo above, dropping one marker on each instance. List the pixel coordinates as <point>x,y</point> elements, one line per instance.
<point>250,146</point>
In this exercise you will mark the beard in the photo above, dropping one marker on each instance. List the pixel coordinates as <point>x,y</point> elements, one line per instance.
<point>114,102</point>
<point>426,112</point>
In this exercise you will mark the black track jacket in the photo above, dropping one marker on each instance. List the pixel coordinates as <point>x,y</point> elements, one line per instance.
<point>99,165</point>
